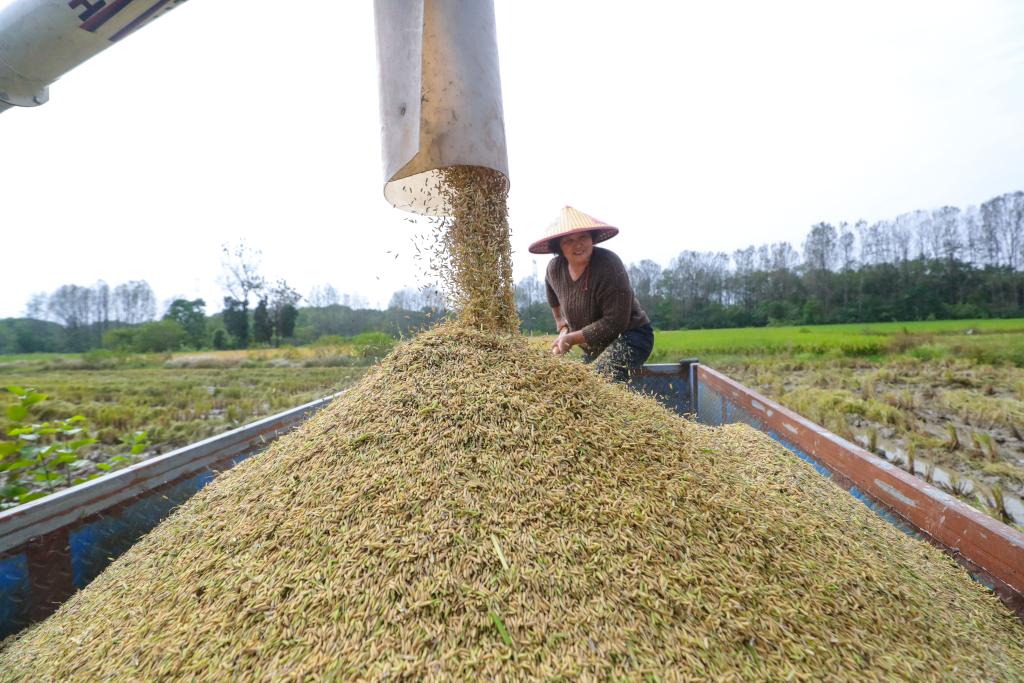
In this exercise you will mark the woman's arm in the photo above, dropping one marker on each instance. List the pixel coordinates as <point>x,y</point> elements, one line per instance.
<point>560,321</point>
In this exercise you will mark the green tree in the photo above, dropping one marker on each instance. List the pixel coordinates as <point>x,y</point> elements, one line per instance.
<point>236,321</point>
<point>262,327</point>
<point>283,312</point>
<point>285,323</point>
<point>220,339</point>
<point>120,339</point>
<point>191,315</point>
<point>159,337</point>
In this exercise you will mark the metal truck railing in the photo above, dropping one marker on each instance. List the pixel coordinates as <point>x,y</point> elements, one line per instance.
<point>56,545</point>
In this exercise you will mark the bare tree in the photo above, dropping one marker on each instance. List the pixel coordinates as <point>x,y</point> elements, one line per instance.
<point>1015,228</point>
<point>644,277</point>
<point>36,307</point>
<point>241,276</point>
<point>413,299</point>
<point>970,228</point>
<point>354,301</point>
<point>133,302</point>
<point>783,257</point>
<point>901,235</point>
<point>432,298</point>
<point>820,248</point>
<point>778,261</point>
<point>946,236</point>
<point>320,297</point>
<point>101,305</point>
<point>873,243</point>
<point>1002,229</point>
<point>71,306</point>
<point>696,278</point>
<point>744,285</point>
<point>404,299</point>
<point>847,244</point>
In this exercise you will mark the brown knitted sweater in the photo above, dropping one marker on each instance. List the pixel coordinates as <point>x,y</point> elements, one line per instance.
<point>601,303</point>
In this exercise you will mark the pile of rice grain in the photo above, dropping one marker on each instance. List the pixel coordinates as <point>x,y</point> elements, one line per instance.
<point>477,509</point>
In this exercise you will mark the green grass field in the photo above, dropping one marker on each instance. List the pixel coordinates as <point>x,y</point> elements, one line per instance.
<point>992,341</point>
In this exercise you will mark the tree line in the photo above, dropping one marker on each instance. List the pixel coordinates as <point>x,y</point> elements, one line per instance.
<point>942,263</point>
<point>256,311</point>
<point>945,263</point>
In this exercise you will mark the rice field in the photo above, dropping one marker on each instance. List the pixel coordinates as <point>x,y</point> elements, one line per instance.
<point>175,399</point>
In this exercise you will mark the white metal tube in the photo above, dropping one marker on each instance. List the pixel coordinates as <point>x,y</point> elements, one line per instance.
<point>41,40</point>
<point>440,95</point>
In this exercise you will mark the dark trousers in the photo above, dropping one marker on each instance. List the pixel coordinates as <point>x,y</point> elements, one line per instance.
<point>631,349</point>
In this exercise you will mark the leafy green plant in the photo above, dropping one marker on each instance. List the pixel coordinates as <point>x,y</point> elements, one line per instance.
<point>41,452</point>
<point>43,457</point>
<point>137,443</point>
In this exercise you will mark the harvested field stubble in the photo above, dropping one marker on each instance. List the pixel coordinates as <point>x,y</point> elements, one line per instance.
<point>476,508</point>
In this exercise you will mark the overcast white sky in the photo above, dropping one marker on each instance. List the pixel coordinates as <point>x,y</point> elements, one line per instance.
<point>689,125</point>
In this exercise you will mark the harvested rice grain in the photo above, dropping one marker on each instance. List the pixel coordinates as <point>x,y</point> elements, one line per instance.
<point>477,509</point>
<point>473,255</point>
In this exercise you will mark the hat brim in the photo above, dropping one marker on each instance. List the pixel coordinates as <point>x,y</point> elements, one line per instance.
<point>547,245</point>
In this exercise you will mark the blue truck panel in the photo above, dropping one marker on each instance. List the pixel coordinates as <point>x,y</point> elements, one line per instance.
<point>15,594</point>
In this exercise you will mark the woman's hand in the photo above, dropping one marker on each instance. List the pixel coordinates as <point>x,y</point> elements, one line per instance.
<point>566,340</point>
<point>561,345</point>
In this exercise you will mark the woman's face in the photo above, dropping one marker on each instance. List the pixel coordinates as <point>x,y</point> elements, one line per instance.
<point>577,248</point>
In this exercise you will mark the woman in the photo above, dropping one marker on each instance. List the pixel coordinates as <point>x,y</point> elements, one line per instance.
<point>590,296</point>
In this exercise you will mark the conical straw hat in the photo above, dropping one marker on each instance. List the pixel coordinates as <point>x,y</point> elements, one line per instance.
<point>571,221</point>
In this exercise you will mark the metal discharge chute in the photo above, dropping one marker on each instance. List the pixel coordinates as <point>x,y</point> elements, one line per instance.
<point>440,95</point>
<point>41,40</point>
